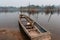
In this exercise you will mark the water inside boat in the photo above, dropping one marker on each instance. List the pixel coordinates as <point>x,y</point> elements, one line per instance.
<point>30,27</point>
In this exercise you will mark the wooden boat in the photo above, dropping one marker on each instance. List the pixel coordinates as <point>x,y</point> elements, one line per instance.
<point>32,29</point>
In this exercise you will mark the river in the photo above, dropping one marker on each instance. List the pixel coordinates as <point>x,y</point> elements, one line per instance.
<point>50,21</point>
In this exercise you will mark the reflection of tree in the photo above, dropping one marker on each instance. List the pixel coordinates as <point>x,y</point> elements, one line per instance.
<point>37,17</point>
<point>50,16</point>
<point>29,14</point>
<point>51,12</point>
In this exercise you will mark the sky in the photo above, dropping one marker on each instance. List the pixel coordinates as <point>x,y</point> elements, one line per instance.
<point>19,3</point>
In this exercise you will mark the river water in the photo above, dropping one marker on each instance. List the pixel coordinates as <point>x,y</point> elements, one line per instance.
<point>50,21</point>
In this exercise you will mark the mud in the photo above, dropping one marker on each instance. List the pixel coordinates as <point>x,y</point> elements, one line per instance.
<point>6,34</point>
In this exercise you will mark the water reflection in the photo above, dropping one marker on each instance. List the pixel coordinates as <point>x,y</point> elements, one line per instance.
<point>50,14</point>
<point>50,21</point>
<point>9,20</point>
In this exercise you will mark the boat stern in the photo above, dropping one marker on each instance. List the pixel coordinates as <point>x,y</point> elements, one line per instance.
<point>43,36</point>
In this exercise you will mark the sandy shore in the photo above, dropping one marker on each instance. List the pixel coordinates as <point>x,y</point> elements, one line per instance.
<point>6,34</point>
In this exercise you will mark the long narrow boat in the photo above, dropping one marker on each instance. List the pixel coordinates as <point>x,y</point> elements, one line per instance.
<point>32,29</point>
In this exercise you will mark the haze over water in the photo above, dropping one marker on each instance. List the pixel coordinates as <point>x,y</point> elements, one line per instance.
<point>50,22</point>
<point>19,3</point>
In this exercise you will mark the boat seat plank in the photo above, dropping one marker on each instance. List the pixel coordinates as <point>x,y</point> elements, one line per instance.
<point>29,27</point>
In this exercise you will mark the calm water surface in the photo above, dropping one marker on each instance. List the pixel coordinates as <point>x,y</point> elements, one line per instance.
<point>9,20</point>
<point>51,22</point>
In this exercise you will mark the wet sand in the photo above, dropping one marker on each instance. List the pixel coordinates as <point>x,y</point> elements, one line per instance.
<point>6,34</point>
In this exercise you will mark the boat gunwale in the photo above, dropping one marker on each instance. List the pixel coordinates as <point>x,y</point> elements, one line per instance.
<point>35,22</point>
<point>36,27</point>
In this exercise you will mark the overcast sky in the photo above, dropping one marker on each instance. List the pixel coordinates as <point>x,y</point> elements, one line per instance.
<point>18,3</point>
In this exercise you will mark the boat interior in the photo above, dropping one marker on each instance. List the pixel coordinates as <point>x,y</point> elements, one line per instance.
<point>30,26</point>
